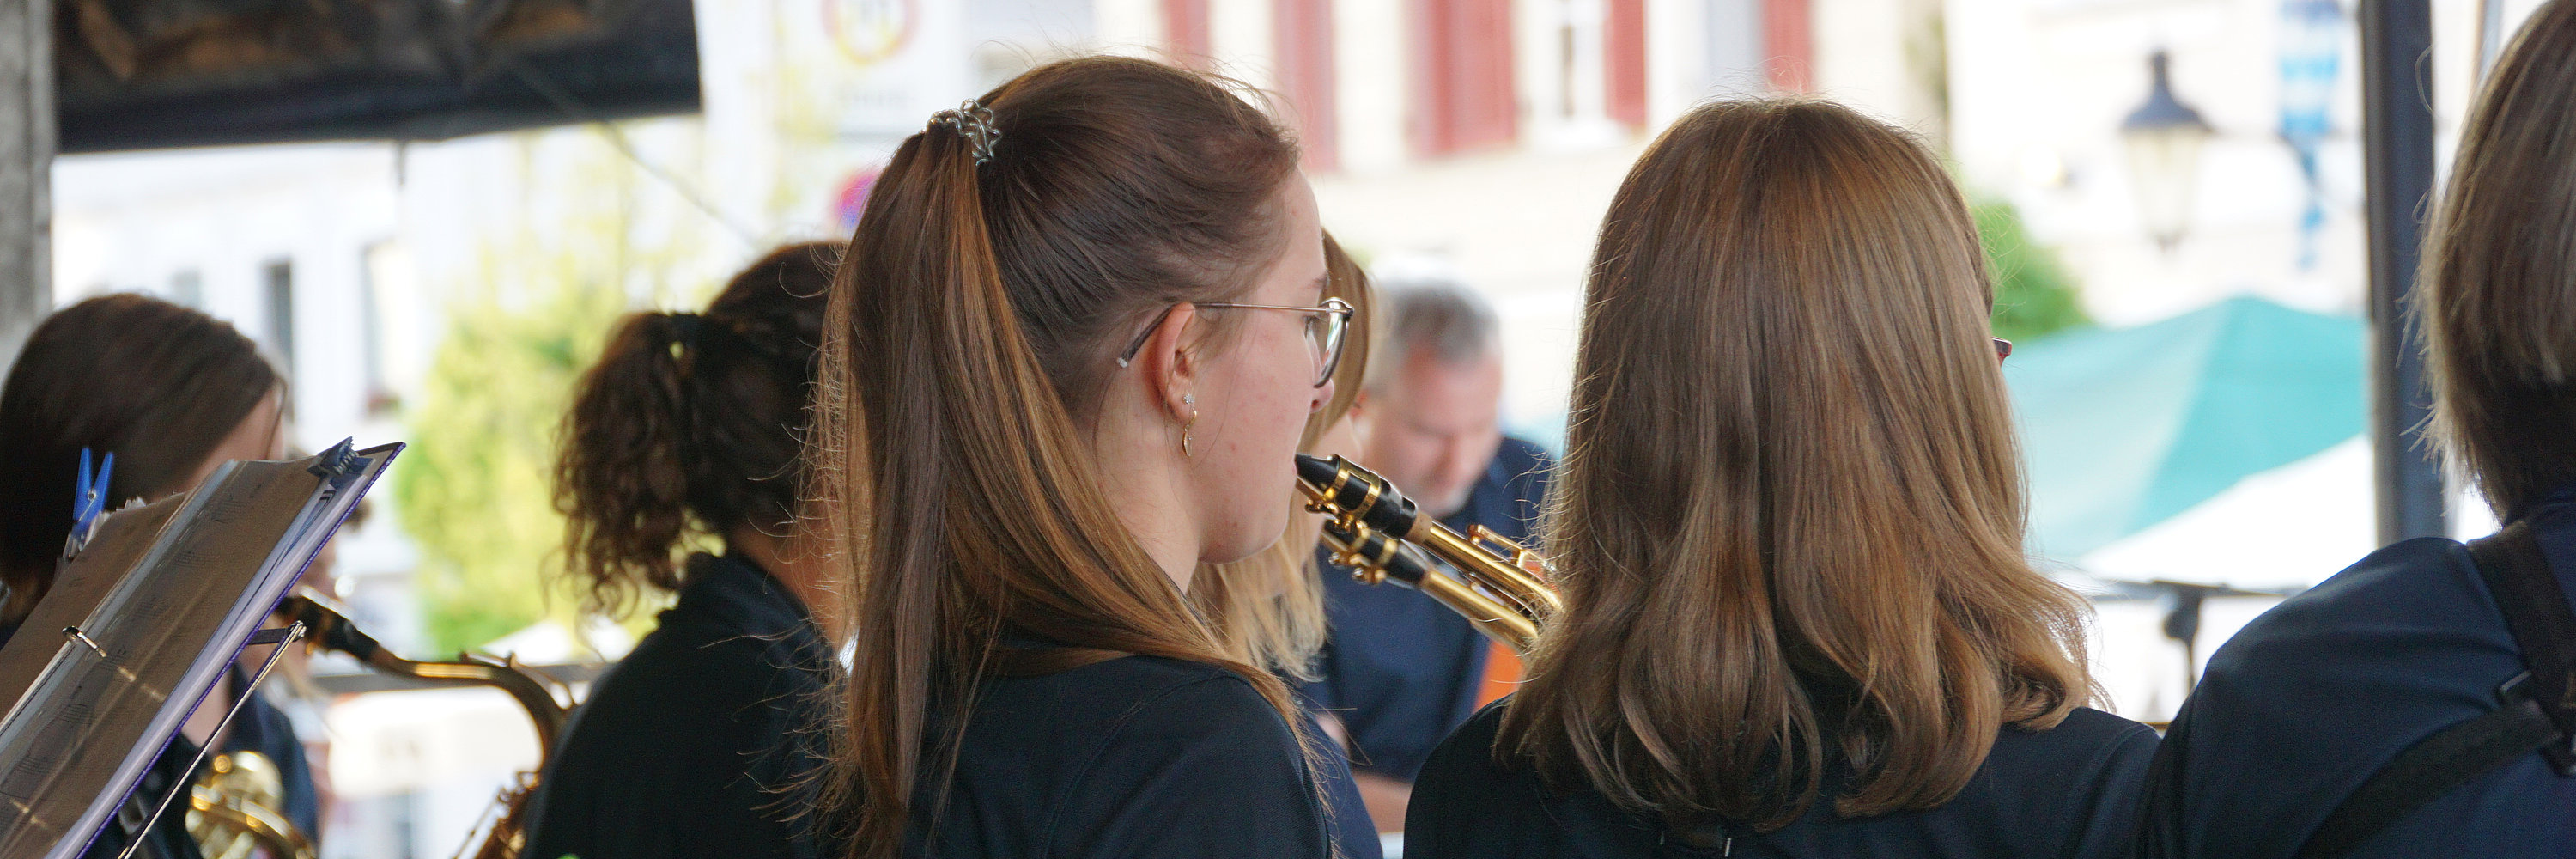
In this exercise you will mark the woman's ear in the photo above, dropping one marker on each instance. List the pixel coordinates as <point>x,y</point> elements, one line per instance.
<point>1170,361</point>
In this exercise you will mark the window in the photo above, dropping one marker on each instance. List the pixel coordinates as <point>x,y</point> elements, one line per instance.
<point>1463,51</point>
<point>1625,44</point>
<point>186,289</point>
<point>1186,32</point>
<point>1303,30</point>
<point>1788,44</point>
<point>371,325</point>
<point>278,296</point>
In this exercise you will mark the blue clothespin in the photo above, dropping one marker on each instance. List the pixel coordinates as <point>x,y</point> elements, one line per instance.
<point>339,465</point>
<point>89,500</point>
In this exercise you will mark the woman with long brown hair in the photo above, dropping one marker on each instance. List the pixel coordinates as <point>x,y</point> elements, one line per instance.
<point>1066,362</point>
<point>686,433</point>
<point>1789,530</point>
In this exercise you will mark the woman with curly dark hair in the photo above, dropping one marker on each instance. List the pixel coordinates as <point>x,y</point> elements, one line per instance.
<point>685,434</point>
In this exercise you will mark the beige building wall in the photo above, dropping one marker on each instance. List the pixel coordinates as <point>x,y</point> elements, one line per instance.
<point>1885,58</point>
<point>1370,77</point>
<point>1132,27</point>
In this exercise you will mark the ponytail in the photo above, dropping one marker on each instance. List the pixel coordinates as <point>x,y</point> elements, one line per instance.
<point>688,427</point>
<point>982,293</point>
<point>621,482</point>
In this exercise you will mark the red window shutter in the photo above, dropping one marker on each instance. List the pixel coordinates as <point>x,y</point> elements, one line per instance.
<point>1303,30</point>
<point>1466,94</point>
<point>1624,51</point>
<point>1185,33</point>
<point>1789,44</point>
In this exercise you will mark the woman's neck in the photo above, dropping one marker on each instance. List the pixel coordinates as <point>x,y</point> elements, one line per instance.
<point>1144,486</point>
<point>797,562</point>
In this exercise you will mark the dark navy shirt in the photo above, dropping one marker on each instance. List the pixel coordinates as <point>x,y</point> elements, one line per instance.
<point>1354,833</point>
<point>696,744</point>
<point>1138,757</point>
<point>1400,669</point>
<point>2069,792</point>
<point>2313,697</point>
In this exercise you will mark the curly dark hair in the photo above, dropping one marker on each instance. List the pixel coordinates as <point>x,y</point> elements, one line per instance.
<point>691,424</point>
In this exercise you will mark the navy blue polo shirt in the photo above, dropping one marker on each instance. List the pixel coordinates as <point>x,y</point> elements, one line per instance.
<point>701,741</point>
<point>1138,757</point>
<point>2319,693</point>
<point>1400,669</point>
<point>2069,792</point>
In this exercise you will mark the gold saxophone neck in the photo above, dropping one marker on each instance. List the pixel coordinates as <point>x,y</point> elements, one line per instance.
<point>1371,526</point>
<point>334,630</point>
<point>506,834</point>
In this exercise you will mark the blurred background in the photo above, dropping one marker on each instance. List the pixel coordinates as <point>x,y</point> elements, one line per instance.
<point>2172,191</point>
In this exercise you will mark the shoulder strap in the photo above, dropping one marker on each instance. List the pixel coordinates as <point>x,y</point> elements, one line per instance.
<point>2535,715</point>
<point>2543,625</point>
<point>2428,770</point>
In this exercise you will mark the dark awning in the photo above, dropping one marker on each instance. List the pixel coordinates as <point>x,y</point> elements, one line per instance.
<point>144,74</point>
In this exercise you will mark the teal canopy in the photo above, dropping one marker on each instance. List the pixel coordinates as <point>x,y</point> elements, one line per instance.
<point>2124,428</point>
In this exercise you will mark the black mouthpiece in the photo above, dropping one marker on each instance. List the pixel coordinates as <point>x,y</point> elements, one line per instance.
<point>1347,485</point>
<point>335,632</point>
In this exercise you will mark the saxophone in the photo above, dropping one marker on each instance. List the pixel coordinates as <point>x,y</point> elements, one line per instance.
<point>507,835</point>
<point>1377,532</point>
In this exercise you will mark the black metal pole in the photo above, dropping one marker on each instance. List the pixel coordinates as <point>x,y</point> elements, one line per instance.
<point>2397,158</point>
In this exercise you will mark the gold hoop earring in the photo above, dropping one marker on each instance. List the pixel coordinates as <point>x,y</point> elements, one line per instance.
<point>1185,432</point>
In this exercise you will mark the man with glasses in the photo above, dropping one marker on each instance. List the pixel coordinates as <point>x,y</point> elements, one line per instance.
<point>1401,670</point>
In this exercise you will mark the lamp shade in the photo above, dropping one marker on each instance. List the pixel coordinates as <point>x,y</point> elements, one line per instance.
<point>2164,138</point>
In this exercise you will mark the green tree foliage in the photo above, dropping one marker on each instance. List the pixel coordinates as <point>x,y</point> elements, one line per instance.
<point>2034,294</point>
<point>475,490</point>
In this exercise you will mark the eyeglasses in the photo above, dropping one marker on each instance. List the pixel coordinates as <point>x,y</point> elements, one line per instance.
<point>1324,328</point>
<point>2003,349</point>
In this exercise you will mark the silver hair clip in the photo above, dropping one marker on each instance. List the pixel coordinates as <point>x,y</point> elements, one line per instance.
<point>975,123</point>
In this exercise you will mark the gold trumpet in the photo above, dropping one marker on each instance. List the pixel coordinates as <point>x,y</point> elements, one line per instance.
<point>1501,586</point>
<point>507,836</point>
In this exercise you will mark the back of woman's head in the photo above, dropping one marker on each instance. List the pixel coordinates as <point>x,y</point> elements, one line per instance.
<point>2500,275</point>
<point>972,328</point>
<point>157,384</point>
<point>1789,519</point>
<point>690,425</point>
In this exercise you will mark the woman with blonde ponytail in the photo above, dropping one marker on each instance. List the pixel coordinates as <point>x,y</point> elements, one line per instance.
<point>1067,358</point>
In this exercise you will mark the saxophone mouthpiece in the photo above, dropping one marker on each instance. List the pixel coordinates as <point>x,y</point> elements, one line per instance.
<point>1358,492</point>
<point>1315,470</point>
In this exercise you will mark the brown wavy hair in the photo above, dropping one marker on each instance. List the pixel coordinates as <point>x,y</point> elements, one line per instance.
<point>689,426</point>
<point>2499,272</point>
<point>157,384</point>
<point>968,342</point>
<point>1789,520</point>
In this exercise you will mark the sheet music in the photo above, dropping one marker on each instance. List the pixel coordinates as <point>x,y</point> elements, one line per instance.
<point>167,593</point>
